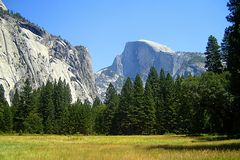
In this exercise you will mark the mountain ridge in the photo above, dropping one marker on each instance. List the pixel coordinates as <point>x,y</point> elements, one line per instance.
<point>139,56</point>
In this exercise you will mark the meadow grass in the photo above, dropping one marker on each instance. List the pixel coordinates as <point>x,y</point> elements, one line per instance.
<point>77,147</point>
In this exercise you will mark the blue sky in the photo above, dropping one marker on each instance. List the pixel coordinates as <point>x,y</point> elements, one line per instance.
<point>104,26</point>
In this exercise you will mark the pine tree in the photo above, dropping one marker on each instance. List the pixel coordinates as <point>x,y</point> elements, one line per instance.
<point>160,103</point>
<point>5,113</point>
<point>99,126</point>
<point>95,111</point>
<point>80,121</point>
<point>169,113</point>
<point>67,95</point>
<point>213,56</point>
<point>2,95</point>
<point>24,108</point>
<point>15,105</point>
<point>153,81</point>
<point>111,101</point>
<point>46,108</point>
<point>33,124</point>
<point>149,110</point>
<point>26,99</point>
<point>124,113</point>
<point>138,106</point>
<point>5,118</point>
<point>65,121</point>
<point>97,102</point>
<point>58,102</point>
<point>182,109</point>
<point>225,46</point>
<point>233,58</point>
<point>2,121</point>
<point>16,98</point>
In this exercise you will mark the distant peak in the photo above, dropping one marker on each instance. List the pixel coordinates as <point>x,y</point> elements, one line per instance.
<point>157,47</point>
<point>2,6</point>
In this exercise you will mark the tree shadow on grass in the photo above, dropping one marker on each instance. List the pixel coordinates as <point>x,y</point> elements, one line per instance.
<point>217,147</point>
<point>215,138</point>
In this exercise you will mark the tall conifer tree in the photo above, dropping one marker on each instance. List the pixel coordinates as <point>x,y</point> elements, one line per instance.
<point>124,114</point>
<point>149,110</point>
<point>233,56</point>
<point>213,56</point>
<point>138,106</point>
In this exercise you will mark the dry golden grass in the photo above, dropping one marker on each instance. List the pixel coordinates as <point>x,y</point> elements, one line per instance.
<point>54,147</point>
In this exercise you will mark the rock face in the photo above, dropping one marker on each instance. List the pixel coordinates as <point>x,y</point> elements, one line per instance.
<point>139,56</point>
<point>2,6</point>
<point>28,51</point>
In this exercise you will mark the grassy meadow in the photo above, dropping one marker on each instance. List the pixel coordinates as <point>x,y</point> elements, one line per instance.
<point>77,147</point>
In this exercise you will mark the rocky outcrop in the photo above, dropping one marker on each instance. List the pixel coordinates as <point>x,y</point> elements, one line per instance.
<point>139,56</point>
<point>2,6</point>
<point>28,51</point>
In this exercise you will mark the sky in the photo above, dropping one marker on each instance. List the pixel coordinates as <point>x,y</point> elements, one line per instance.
<point>104,26</point>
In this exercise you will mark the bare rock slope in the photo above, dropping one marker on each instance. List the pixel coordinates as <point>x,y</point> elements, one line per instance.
<point>28,51</point>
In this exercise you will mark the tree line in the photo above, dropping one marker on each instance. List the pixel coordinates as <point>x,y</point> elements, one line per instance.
<point>47,109</point>
<point>209,103</point>
<point>185,105</point>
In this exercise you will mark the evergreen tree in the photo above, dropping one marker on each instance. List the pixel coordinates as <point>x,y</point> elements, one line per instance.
<point>2,95</point>
<point>169,112</point>
<point>149,110</point>
<point>233,58</point>
<point>47,109</point>
<point>5,118</point>
<point>160,103</point>
<point>153,81</point>
<point>95,111</point>
<point>138,106</point>
<point>65,121</point>
<point>80,121</point>
<point>2,121</point>
<point>225,46</point>
<point>124,114</point>
<point>182,108</point>
<point>24,108</point>
<point>33,124</point>
<point>58,103</point>
<point>99,126</point>
<point>26,99</point>
<point>97,102</point>
<point>15,105</point>
<point>67,95</point>
<point>213,56</point>
<point>111,101</point>
<point>5,113</point>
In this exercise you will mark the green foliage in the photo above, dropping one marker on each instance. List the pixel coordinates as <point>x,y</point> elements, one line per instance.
<point>124,113</point>
<point>65,121</point>
<point>112,101</point>
<point>33,124</point>
<point>137,109</point>
<point>149,119</point>
<point>213,57</point>
<point>5,118</point>
<point>2,95</point>
<point>99,126</point>
<point>97,102</point>
<point>232,48</point>
<point>80,121</point>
